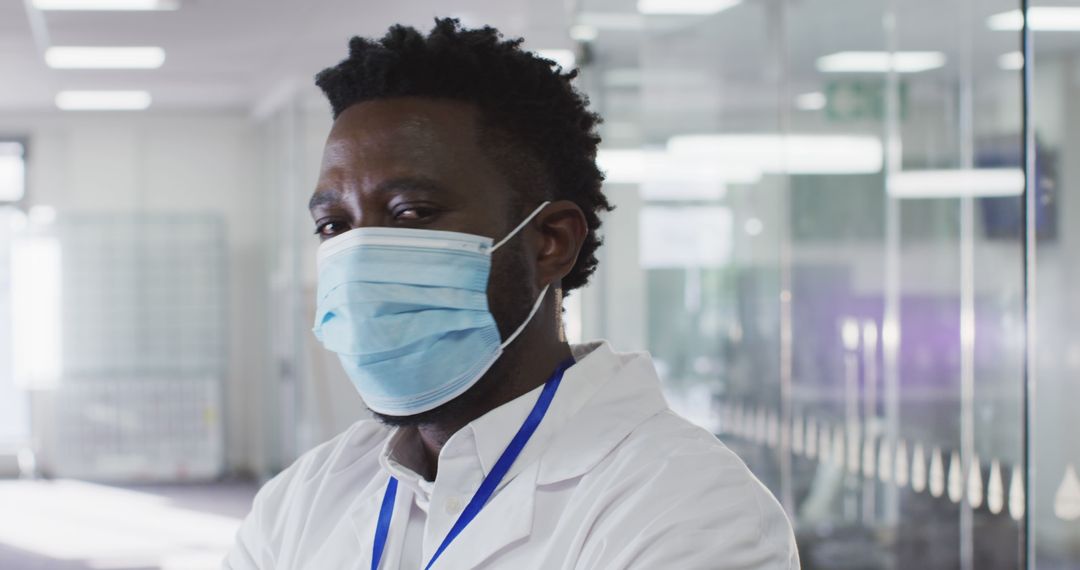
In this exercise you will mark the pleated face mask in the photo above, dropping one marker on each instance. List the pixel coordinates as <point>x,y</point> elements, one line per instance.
<point>406,311</point>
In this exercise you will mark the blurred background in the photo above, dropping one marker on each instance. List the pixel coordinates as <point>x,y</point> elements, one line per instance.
<point>843,229</point>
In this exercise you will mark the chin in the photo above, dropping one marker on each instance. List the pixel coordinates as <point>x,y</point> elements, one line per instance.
<point>468,406</point>
<point>453,409</point>
<point>406,421</point>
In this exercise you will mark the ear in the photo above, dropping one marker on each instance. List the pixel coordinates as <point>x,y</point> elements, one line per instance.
<point>562,229</point>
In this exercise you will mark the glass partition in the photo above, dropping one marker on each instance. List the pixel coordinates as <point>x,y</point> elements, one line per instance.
<point>1055,140</point>
<point>833,232</point>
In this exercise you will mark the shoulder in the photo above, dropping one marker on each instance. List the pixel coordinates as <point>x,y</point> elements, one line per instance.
<point>691,502</point>
<point>285,505</point>
<point>362,440</point>
<point>349,460</point>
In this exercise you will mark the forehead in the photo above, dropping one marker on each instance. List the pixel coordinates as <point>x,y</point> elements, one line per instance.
<point>378,149</point>
<point>408,129</point>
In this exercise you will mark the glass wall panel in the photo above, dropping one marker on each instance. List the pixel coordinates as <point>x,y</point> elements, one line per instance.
<point>1055,177</point>
<point>829,198</point>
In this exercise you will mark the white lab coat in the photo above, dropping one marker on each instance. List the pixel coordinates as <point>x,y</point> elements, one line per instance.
<point>611,479</point>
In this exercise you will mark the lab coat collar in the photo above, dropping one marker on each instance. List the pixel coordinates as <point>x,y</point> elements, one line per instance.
<point>512,515</point>
<point>600,400</point>
<point>401,452</point>
<point>606,396</point>
<point>615,393</point>
<point>620,390</point>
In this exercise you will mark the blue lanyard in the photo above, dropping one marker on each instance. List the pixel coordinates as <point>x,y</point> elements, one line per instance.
<point>487,487</point>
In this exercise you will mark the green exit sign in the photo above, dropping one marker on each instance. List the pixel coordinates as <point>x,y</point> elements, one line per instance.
<point>860,100</point>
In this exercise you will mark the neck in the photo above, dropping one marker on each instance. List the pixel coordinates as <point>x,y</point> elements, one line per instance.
<point>512,376</point>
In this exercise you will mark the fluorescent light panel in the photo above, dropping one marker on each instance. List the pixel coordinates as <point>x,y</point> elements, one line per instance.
<point>881,61</point>
<point>612,21</point>
<point>1041,19</point>
<point>103,100</point>
<point>109,5</point>
<point>708,163</point>
<point>784,154</point>
<point>978,182</point>
<point>644,166</point>
<point>70,57</point>
<point>685,7</point>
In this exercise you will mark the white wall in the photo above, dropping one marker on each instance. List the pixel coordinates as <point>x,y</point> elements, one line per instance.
<point>191,162</point>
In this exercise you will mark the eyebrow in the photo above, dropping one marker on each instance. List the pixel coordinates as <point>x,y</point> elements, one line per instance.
<point>323,197</point>
<point>414,183</point>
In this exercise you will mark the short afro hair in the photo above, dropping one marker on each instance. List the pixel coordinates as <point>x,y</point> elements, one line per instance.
<point>527,100</point>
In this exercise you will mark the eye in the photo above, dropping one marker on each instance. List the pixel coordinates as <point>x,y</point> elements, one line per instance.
<point>414,213</point>
<point>329,229</point>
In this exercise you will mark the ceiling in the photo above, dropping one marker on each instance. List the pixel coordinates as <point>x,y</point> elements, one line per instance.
<point>230,54</point>
<point>237,54</point>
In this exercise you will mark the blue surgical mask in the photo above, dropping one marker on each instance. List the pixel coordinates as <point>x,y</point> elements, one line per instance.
<point>406,310</point>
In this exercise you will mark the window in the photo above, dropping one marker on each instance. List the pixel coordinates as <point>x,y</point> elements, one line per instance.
<point>12,171</point>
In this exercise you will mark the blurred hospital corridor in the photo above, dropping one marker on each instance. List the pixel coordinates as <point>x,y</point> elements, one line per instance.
<point>842,231</point>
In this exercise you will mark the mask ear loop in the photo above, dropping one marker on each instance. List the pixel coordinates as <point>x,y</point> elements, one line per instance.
<point>532,313</point>
<point>559,314</point>
<point>521,225</point>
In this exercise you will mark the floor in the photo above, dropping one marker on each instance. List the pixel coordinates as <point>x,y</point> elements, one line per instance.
<point>78,525</point>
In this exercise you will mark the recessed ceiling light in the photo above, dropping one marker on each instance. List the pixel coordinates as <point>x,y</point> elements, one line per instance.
<point>813,101</point>
<point>104,57</point>
<point>564,57</point>
<point>1040,19</point>
<point>685,7</point>
<point>753,226</point>
<point>94,5</point>
<point>881,61</point>
<point>103,100</point>
<point>1011,61</point>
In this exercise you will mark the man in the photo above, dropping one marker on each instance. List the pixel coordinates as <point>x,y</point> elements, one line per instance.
<point>458,201</point>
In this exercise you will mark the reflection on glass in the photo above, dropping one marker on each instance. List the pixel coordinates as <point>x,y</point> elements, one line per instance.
<point>956,479</point>
<point>838,447</point>
<point>1067,498</point>
<point>1052,488</point>
<point>797,435</point>
<point>860,296</point>
<point>1017,497</point>
<point>937,474</point>
<point>918,469</point>
<point>975,484</point>
<point>885,463</point>
<point>995,492</point>
<point>869,466</point>
<point>901,464</point>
